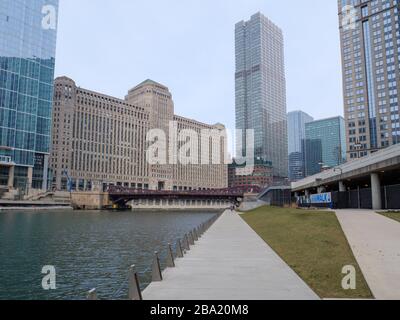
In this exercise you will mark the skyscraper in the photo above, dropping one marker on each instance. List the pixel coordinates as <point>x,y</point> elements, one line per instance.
<point>297,133</point>
<point>27,58</point>
<point>325,144</point>
<point>370,40</point>
<point>261,90</point>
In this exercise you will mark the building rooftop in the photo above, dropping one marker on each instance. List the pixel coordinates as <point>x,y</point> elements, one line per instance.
<point>149,82</point>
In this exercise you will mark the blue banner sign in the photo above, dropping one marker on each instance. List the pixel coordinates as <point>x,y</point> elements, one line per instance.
<point>321,198</point>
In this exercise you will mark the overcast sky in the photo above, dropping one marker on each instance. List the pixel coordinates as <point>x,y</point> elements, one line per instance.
<point>109,46</point>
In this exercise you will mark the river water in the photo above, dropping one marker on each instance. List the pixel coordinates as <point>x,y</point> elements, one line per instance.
<point>88,250</point>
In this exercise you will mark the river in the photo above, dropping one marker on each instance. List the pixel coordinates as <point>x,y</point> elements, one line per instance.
<point>89,249</point>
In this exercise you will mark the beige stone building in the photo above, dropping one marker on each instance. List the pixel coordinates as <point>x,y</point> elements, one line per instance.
<point>370,46</point>
<point>100,140</point>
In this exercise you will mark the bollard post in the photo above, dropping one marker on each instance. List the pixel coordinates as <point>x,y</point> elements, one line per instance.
<point>198,233</point>
<point>191,240</point>
<point>179,251</point>
<point>134,293</point>
<point>186,243</point>
<point>196,237</point>
<point>156,269</point>
<point>92,295</point>
<point>170,257</point>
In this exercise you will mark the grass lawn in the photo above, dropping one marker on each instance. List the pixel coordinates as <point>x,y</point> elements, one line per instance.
<point>391,215</point>
<point>313,244</point>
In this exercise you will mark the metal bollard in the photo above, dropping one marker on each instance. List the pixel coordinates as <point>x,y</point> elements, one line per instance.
<point>186,243</point>
<point>191,240</point>
<point>195,236</point>
<point>170,257</point>
<point>156,269</point>
<point>198,233</point>
<point>92,295</point>
<point>134,292</point>
<point>179,251</point>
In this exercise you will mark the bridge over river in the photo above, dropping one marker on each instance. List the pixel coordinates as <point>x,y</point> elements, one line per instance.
<point>122,197</point>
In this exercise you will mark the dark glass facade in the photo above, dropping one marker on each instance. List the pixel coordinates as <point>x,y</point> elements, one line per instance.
<point>325,144</point>
<point>297,121</point>
<point>27,60</point>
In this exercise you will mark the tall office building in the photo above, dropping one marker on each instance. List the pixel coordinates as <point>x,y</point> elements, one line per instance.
<point>325,144</point>
<point>27,57</point>
<point>261,90</point>
<point>370,40</point>
<point>297,133</point>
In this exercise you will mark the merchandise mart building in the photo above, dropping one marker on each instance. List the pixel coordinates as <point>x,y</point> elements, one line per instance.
<point>99,140</point>
<point>27,60</point>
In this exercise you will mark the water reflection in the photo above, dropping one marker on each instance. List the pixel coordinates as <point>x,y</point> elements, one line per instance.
<point>88,249</point>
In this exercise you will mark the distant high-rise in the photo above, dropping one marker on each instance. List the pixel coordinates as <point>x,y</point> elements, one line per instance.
<point>261,90</point>
<point>325,144</point>
<point>370,40</point>
<point>297,133</point>
<point>27,58</point>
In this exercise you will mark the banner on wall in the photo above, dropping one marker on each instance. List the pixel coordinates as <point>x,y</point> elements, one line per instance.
<point>321,198</point>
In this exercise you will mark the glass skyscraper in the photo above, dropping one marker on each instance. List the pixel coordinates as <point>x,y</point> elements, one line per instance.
<point>27,58</point>
<point>297,133</point>
<point>370,41</point>
<point>261,90</point>
<point>325,144</point>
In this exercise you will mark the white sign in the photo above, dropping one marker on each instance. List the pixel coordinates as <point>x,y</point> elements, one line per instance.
<point>49,20</point>
<point>49,280</point>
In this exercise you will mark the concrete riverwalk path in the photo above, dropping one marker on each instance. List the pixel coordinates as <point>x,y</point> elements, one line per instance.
<point>230,262</point>
<point>375,241</point>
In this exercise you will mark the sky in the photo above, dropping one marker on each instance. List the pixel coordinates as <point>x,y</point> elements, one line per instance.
<point>109,46</point>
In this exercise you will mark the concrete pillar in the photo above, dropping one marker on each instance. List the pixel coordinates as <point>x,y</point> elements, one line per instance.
<point>30,178</point>
<point>58,180</point>
<point>85,185</point>
<point>46,173</point>
<point>11,172</point>
<point>376,192</point>
<point>342,187</point>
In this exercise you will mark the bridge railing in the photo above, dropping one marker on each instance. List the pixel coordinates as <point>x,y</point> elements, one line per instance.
<point>119,190</point>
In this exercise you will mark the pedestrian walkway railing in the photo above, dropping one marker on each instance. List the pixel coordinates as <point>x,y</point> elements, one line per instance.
<point>181,249</point>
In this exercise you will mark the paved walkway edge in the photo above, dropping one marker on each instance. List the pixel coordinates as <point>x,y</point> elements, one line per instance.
<point>230,262</point>
<point>375,242</point>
